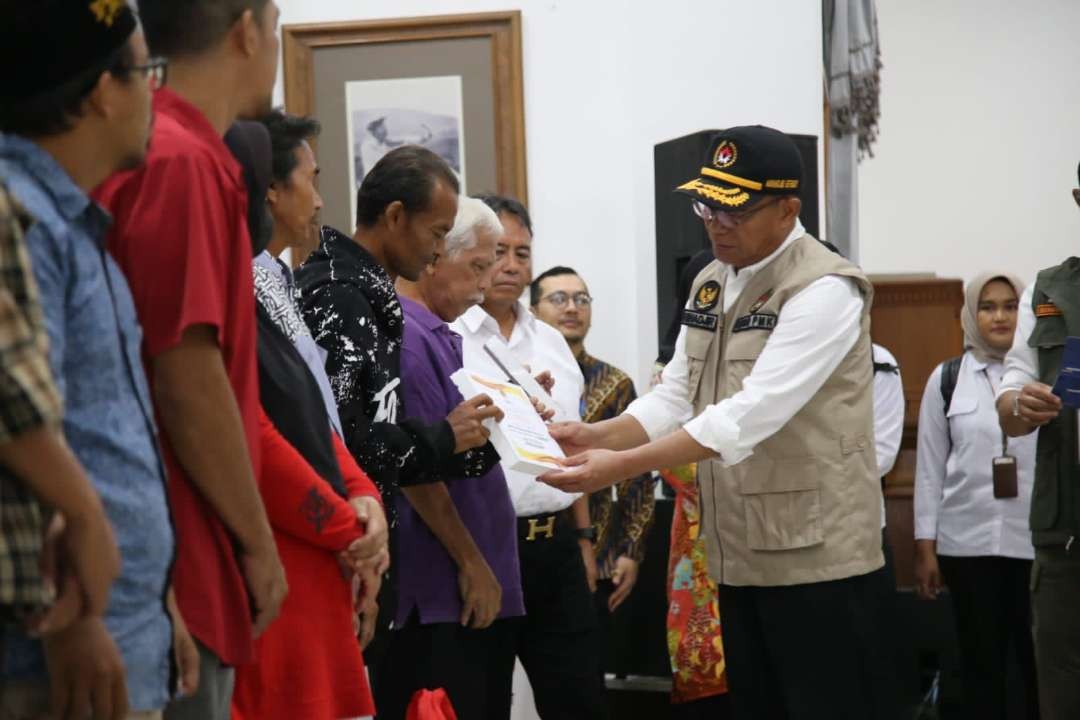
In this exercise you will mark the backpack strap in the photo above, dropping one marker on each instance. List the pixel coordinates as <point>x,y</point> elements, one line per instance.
<point>888,368</point>
<point>950,372</point>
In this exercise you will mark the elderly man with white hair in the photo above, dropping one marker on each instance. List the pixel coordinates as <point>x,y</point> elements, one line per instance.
<point>456,541</point>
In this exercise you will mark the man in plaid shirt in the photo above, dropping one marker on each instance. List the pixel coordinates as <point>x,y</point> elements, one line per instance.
<point>38,473</point>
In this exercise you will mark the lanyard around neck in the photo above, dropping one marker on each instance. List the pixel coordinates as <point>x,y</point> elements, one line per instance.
<point>993,393</point>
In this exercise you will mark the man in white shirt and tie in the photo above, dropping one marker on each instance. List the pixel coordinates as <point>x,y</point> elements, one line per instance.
<point>556,640</point>
<point>770,391</point>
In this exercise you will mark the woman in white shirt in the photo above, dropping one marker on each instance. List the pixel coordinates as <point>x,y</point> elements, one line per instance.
<point>971,529</point>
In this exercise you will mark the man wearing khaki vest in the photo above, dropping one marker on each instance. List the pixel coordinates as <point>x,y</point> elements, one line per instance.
<point>771,391</point>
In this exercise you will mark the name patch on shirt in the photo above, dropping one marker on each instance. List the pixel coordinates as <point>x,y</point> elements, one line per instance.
<point>755,321</point>
<point>700,320</point>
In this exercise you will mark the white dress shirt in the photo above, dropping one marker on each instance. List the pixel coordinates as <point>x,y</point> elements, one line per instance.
<point>1022,362</point>
<point>888,411</point>
<point>888,415</point>
<point>954,486</point>
<point>815,330</point>
<point>539,347</point>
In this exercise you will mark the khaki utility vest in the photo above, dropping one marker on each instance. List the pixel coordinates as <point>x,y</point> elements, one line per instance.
<point>805,507</point>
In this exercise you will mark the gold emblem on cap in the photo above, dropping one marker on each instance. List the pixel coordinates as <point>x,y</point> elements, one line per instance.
<point>726,154</point>
<point>106,10</point>
<point>732,197</point>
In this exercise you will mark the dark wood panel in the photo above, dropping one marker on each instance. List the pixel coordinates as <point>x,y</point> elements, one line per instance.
<point>918,319</point>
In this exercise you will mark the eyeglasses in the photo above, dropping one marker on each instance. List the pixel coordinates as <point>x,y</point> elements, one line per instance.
<point>155,70</point>
<point>725,219</point>
<point>559,299</point>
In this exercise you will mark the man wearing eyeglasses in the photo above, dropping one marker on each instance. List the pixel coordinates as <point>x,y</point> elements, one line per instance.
<point>770,391</point>
<point>79,114</point>
<point>621,516</point>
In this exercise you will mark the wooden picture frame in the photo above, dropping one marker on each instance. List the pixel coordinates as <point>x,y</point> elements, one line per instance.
<point>318,57</point>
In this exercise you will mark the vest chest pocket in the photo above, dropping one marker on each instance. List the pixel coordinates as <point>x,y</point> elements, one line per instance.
<point>740,355</point>
<point>698,343</point>
<point>782,503</point>
<point>746,345</point>
<point>1048,338</point>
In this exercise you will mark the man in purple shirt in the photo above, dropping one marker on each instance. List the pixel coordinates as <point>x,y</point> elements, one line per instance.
<point>457,539</point>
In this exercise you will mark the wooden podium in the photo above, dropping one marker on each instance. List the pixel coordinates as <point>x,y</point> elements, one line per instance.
<point>917,318</point>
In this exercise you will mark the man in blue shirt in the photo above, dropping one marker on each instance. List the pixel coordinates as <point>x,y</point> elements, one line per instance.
<point>87,116</point>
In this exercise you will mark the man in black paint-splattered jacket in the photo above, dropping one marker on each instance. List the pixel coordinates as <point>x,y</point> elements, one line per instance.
<point>405,207</point>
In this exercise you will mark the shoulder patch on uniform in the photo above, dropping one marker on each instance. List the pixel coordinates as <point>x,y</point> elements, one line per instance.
<point>701,321</point>
<point>754,321</point>
<point>708,295</point>
<point>1048,309</point>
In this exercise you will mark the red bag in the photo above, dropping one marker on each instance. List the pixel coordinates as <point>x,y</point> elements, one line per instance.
<point>431,705</point>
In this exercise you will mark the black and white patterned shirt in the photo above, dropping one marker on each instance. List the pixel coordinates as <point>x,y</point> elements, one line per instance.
<point>348,301</point>
<point>275,291</point>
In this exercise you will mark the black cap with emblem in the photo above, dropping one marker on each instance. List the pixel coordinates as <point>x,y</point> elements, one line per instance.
<point>46,43</point>
<point>744,164</point>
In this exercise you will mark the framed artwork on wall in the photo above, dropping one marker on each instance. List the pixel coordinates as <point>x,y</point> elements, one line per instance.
<point>452,83</point>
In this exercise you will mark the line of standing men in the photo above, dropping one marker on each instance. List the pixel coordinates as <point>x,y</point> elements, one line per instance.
<point>158,332</point>
<point>190,358</point>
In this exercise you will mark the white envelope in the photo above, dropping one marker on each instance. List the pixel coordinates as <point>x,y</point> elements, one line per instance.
<point>521,437</point>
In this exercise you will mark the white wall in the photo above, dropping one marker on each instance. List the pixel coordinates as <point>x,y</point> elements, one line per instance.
<point>604,82</point>
<point>980,138</point>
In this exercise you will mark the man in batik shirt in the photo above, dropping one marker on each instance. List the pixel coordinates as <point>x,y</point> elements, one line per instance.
<point>621,515</point>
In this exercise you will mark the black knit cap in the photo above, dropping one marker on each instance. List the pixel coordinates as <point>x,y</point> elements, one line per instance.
<point>45,43</point>
<point>743,164</point>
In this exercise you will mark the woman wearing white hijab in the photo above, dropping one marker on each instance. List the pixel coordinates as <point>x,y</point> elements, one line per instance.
<point>972,502</point>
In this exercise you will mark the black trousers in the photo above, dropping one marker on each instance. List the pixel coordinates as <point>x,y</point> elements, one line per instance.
<point>604,625</point>
<point>993,620</point>
<point>474,667</point>
<point>556,640</point>
<point>714,707</point>
<point>809,652</point>
<point>1055,604</point>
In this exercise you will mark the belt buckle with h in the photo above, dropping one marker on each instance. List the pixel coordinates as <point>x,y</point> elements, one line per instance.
<point>547,529</point>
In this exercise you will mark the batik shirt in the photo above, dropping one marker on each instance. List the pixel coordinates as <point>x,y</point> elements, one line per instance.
<point>621,515</point>
<point>695,640</point>
<point>275,290</point>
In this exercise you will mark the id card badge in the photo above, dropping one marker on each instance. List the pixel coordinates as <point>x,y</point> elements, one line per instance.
<point>1005,482</point>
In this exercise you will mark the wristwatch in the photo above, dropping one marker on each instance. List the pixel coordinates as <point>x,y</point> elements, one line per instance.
<point>1016,405</point>
<point>586,533</point>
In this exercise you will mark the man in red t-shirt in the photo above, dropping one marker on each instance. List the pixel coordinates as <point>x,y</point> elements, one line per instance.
<point>181,237</point>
